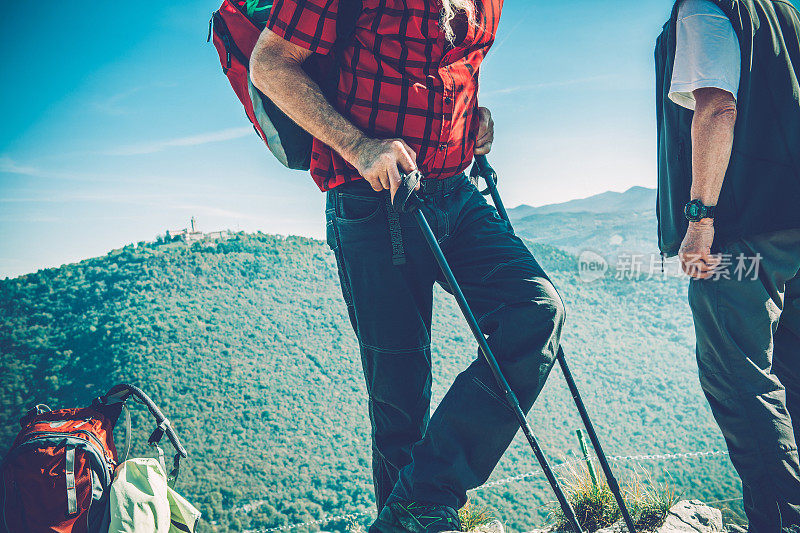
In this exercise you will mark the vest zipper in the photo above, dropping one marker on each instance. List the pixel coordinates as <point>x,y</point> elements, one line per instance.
<point>18,498</point>
<point>5,503</point>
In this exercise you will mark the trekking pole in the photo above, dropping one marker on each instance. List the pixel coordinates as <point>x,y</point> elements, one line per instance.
<point>407,201</point>
<point>490,176</point>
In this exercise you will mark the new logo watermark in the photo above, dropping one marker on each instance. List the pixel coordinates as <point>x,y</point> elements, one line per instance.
<point>634,267</point>
<point>591,266</point>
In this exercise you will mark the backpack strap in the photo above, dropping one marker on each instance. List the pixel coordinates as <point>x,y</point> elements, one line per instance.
<point>127,431</point>
<point>32,413</point>
<point>326,71</point>
<point>72,493</point>
<point>120,393</point>
<point>346,19</point>
<point>115,400</point>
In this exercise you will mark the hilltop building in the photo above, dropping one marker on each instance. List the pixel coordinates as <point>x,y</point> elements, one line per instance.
<point>192,234</point>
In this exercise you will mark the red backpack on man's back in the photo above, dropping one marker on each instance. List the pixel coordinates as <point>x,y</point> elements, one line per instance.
<point>235,28</point>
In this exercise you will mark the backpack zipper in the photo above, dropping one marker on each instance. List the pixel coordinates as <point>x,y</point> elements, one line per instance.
<point>230,47</point>
<point>92,439</point>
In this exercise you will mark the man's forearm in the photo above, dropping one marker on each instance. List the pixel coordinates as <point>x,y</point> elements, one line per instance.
<point>296,94</point>
<point>276,68</point>
<point>712,141</point>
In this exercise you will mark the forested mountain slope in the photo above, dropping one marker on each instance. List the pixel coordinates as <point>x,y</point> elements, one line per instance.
<point>246,346</point>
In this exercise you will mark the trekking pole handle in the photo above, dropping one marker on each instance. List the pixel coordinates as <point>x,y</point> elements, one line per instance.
<point>405,198</point>
<point>485,168</point>
<point>482,169</point>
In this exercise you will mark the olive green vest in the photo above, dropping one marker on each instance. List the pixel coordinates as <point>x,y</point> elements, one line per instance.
<point>761,191</point>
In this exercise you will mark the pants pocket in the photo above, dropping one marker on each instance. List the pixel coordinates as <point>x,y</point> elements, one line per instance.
<point>356,208</point>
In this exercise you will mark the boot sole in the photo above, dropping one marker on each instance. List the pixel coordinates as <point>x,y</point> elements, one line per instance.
<point>379,526</point>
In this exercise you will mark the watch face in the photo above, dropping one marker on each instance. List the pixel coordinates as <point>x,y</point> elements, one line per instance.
<point>693,210</point>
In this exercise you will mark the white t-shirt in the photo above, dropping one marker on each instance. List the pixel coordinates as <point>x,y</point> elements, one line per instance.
<point>706,52</point>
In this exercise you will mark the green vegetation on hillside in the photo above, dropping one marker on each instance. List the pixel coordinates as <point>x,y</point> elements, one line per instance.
<point>246,346</point>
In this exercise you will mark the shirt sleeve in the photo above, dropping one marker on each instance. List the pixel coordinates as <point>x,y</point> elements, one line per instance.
<point>707,52</point>
<point>310,24</point>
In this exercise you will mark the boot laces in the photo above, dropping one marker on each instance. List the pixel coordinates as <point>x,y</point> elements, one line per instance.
<point>430,515</point>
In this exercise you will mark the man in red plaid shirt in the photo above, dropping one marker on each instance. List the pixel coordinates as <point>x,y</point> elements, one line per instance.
<point>406,98</point>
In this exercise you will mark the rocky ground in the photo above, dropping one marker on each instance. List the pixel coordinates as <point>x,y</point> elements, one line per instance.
<point>687,516</point>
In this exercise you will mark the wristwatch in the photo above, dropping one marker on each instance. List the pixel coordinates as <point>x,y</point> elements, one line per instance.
<point>696,211</point>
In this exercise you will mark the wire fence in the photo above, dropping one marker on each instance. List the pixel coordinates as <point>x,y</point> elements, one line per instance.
<point>519,477</point>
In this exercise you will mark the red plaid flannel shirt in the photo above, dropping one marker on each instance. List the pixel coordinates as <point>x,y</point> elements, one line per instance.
<point>398,78</point>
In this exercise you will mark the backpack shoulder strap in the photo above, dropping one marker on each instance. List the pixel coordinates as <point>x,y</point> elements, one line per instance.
<point>346,19</point>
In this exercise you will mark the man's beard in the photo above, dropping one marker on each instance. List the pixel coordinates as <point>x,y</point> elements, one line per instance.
<point>451,8</point>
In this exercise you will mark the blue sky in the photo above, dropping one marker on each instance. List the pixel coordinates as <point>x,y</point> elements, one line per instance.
<point>119,123</point>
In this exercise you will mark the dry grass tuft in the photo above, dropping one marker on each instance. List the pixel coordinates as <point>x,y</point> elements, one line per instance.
<point>648,502</point>
<point>473,516</point>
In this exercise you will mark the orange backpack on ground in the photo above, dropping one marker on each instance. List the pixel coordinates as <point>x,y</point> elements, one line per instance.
<point>56,475</point>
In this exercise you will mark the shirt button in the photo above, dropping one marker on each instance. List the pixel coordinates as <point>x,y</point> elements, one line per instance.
<point>442,147</point>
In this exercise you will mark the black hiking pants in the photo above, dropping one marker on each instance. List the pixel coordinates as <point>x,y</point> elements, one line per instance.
<point>437,459</point>
<point>748,352</point>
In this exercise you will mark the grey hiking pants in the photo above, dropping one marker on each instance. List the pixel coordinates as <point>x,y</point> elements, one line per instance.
<point>748,354</point>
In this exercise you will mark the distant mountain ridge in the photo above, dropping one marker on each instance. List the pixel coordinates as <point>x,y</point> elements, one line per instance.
<point>635,199</point>
<point>613,224</point>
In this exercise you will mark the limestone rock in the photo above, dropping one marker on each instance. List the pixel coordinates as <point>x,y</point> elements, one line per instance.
<point>687,516</point>
<point>691,516</point>
<point>733,528</point>
<point>495,526</point>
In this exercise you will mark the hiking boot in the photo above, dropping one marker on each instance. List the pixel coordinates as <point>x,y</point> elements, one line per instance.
<point>409,517</point>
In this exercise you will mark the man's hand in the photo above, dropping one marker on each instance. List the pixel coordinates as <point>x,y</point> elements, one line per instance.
<point>695,252</point>
<point>483,144</point>
<point>377,160</point>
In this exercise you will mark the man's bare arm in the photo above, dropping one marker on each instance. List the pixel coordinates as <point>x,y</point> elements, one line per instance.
<point>276,69</point>
<point>712,141</point>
